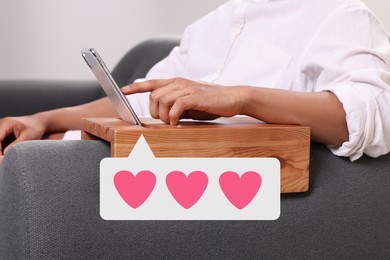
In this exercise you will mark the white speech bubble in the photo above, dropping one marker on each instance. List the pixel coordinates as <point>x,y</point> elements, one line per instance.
<point>213,204</point>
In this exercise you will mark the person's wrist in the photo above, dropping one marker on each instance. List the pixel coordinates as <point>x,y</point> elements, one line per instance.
<point>244,98</point>
<point>42,120</point>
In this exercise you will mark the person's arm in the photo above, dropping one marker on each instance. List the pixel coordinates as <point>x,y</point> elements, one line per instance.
<point>53,121</point>
<point>321,111</point>
<point>69,118</point>
<point>173,99</point>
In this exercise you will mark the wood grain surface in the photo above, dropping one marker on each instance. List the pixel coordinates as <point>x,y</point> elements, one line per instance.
<point>226,137</point>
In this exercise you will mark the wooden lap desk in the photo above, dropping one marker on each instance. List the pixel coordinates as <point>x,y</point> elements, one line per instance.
<point>226,137</point>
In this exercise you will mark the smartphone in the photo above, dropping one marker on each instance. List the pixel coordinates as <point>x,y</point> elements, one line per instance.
<point>104,77</point>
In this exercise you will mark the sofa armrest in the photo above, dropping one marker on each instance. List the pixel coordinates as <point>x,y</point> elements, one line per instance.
<point>49,203</point>
<point>22,97</point>
<point>42,185</point>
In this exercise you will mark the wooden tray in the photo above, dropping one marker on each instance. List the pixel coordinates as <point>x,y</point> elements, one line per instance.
<point>227,137</point>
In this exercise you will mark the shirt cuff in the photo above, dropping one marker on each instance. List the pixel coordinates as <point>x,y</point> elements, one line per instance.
<point>72,135</point>
<point>363,120</point>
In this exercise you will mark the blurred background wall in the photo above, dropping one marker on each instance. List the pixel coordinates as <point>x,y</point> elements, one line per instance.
<point>41,39</point>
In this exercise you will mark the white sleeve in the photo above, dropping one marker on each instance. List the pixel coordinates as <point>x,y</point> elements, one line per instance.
<point>350,57</point>
<point>72,135</point>
<point>171,66</point>
<point>174,64</point>
<point>140,104</point>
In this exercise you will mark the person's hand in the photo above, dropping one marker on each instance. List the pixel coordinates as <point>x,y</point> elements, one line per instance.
<point>21,128</point>
<point>172,99</point>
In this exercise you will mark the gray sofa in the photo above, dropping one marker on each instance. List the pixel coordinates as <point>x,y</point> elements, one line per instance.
<point>49,196</point>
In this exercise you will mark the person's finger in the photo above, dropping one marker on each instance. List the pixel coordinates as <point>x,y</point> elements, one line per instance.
<point>1,158</point>
<point>155,99</point>
<point>163,113</point>
<point>4,130</point>
<point>153,106</point>
<point>168,100</point>
<point>181,105</point>
<point>162,98</point>
<point>146,86</point>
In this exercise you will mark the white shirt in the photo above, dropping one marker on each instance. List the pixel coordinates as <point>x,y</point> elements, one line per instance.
<point>316,45</point>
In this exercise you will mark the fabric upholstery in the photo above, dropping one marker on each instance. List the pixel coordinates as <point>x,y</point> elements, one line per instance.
<point>49,197</point>
<point>23,97</point>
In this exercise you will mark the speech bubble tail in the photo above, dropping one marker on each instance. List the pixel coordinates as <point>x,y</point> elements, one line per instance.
<point>141,149</point>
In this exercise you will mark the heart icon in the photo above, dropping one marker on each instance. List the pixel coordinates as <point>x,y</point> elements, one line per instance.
<point>240,191</point>
<point>187,190</point>
<point>134,190</point>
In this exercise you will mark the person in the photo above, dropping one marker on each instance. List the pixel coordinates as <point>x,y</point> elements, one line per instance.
<point>323,64</point>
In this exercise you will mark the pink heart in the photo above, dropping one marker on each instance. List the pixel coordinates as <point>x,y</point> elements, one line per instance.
<point>187,190</point>
<point>240,191</point>
<point>134,190</point>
